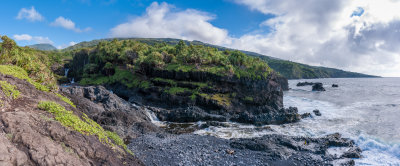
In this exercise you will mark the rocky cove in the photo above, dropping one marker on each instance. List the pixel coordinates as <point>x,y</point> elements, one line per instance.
<point>147,109</point>
<point>174,143</point>
<point>40,140</point>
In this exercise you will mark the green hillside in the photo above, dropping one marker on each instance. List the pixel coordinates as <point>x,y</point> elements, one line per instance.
<point>43,47</point>
<point>290,70</point>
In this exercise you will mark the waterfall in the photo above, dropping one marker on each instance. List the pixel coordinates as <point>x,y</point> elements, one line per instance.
<point>72,81</point>
<point>66,72</point>
<point>153,118</point>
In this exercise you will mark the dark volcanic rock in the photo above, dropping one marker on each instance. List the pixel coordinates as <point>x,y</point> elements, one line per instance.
<point>110,111</point>
<point>305,83</point>
<point>267,150</point>
<point>317,113</point>
<point>283,82</point>
<point>29,136</point>
<point>225,98</point>
<point>318,87</point>
<point>305,115</point>
<point>335,85</point>
<point>189,114</point>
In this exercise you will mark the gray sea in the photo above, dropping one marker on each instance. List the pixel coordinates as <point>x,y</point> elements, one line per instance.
<point>366,110</point>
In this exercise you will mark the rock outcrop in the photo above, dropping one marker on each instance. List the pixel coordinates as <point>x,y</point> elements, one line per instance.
<point>110,111</point>
<point>256,101</point>
<point>318,87</point>
<point>30,136</point>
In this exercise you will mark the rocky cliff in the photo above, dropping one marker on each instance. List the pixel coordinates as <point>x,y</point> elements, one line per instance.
<point>33,136</point>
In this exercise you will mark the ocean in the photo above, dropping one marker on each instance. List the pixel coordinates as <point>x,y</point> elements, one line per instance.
<point>366,110</point>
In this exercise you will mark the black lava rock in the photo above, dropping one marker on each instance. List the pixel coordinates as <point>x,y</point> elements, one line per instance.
<point>318,87</point>
<point>317,113</point>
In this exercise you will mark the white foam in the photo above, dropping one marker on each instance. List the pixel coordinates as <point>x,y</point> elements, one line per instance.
<point>347,120</point>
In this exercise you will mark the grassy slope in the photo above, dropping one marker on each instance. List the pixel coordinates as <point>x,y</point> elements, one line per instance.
<point>291,70</point>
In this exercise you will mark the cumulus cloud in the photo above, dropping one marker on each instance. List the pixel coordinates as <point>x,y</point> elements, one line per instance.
<point>163,21</point>
<point>30,14</point>
<point>35,39</point>
<point>358,35</point>
<point>67,24</point>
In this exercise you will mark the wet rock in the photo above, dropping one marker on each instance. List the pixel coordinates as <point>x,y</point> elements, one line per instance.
<point>188,114</point>
<point>318,87</point>
<point>304,83</point>
<point>306,115</point>
<point>110,111</point>
<point>335,85</point>
<point>188,149</point>
<point>317,113</point>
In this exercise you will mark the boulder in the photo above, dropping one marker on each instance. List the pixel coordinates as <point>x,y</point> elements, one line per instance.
<point>305,83</point>
<point>318,87</point>
<point>335,85</point>
<point>317,113</point>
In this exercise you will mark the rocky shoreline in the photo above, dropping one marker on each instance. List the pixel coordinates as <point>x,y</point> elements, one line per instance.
<point>156,146</point>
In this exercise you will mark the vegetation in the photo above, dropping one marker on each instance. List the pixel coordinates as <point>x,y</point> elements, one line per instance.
<point>20,73</point>
<point>35,63</point>
<point>84,125</point>
<point>109,56</point>
<point>9,90</point>
<point>288,69</point>
<point>65,99</point>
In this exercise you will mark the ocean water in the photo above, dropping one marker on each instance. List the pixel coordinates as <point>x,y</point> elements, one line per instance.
<point>366,110</point>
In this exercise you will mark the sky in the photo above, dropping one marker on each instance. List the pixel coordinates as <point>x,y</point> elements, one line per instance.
<point>355,35</point>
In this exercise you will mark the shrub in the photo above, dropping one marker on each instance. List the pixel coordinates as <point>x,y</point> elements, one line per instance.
<point>86,126</point>
<point>9,90</point>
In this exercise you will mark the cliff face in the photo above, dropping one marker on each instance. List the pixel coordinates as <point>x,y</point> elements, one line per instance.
<point>256,101</point>
<point>32,136</point>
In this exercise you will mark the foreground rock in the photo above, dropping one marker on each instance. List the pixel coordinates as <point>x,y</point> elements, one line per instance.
<point>318,87</point>
<point>317,113</point>
<point>110,111</point>
<point>195,114</point>
<point>30,136</point>
<point>305,83</point>
<point>187,149</point>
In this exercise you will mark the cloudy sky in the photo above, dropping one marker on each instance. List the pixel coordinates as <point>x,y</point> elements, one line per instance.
<point>356,35</point>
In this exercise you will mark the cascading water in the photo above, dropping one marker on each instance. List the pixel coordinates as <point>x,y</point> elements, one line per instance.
<point>66,72</point>
<point>153,118</point>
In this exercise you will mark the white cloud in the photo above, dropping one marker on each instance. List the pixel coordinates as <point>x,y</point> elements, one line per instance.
<point>323,32</point>
<point>68,24</point>
<point>23,37</point>
<point>35,39</point>
<point>162,21</point>
<point>30,14</point>
<point>315,32</point>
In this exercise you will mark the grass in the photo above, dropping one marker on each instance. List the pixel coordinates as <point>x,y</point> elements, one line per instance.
<point>122,76</point>
<point>9,90</point>
<point>169,81</point>
<point>175,90</point>
<point>248,98</point>
<point>20,73</point>
<point>221,99</point>
<point>65,99</point>
<point>85,125</point>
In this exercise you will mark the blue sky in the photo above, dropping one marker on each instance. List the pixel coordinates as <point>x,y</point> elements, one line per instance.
<point>102,15</point>
<point>354,35</point>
